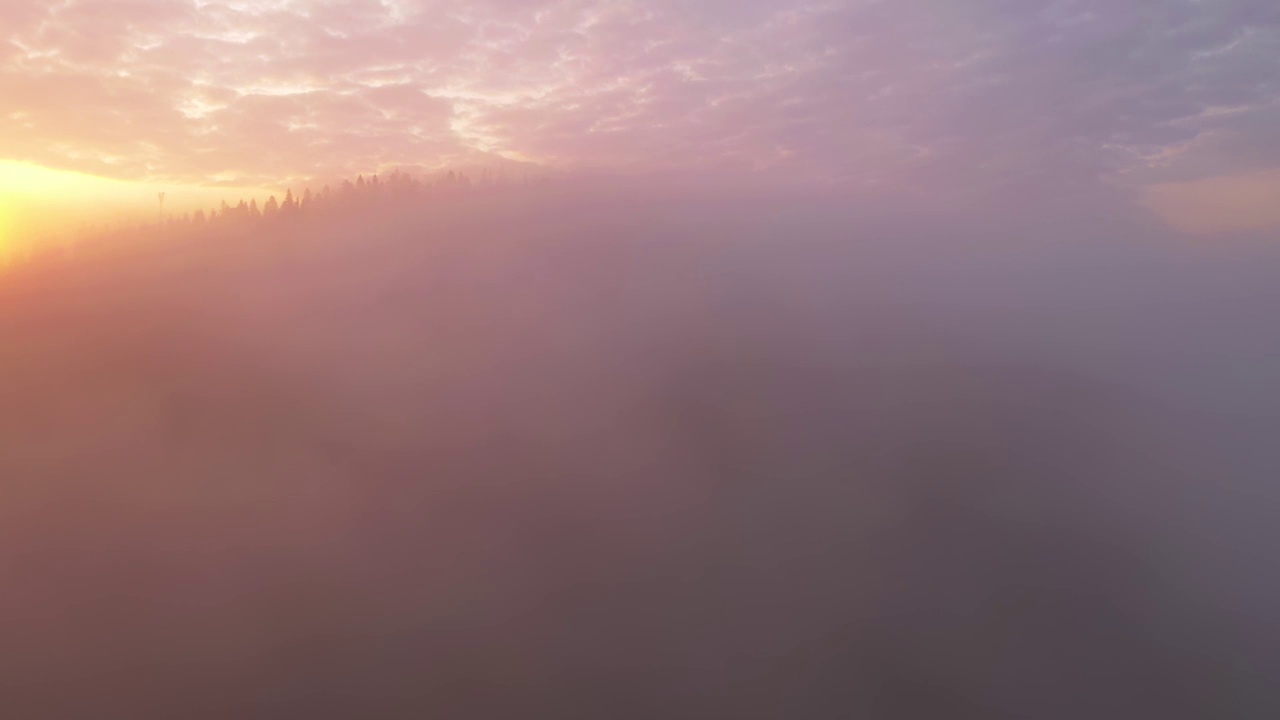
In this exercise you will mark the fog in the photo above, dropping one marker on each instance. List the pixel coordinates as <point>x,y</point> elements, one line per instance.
<point>610,450</point>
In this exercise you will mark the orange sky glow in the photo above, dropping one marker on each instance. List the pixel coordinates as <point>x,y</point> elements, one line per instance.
<point>39,203</point>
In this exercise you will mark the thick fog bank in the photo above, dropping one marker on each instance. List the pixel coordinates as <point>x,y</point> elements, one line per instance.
<point>541,453</point>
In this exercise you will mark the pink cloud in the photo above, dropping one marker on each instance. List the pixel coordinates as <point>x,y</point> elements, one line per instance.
<point>944,98</point>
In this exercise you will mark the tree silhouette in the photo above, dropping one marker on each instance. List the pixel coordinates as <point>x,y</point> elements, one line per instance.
<point>349,195</point>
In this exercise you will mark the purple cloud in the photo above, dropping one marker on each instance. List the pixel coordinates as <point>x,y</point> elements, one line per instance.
<point>1062,98</point>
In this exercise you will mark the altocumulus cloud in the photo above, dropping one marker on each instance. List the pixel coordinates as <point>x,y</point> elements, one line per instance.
<point>1041,99</point>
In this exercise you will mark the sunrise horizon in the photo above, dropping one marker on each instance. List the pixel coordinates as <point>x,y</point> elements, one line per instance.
<point>916,102</point>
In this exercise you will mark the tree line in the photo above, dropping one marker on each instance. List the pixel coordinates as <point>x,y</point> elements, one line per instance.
<point>350,198</point>
<point>395,185</point>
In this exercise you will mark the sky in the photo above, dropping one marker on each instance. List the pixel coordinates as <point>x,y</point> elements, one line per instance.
<point>1170,106</point>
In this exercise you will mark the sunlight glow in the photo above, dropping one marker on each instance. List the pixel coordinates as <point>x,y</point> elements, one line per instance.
<point>37,201</point>
<point>6,228</point>
<point>28,192</point>
<point>26,179</point>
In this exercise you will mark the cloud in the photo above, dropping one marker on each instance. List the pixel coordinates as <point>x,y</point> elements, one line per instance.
<point>1040,99</point>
